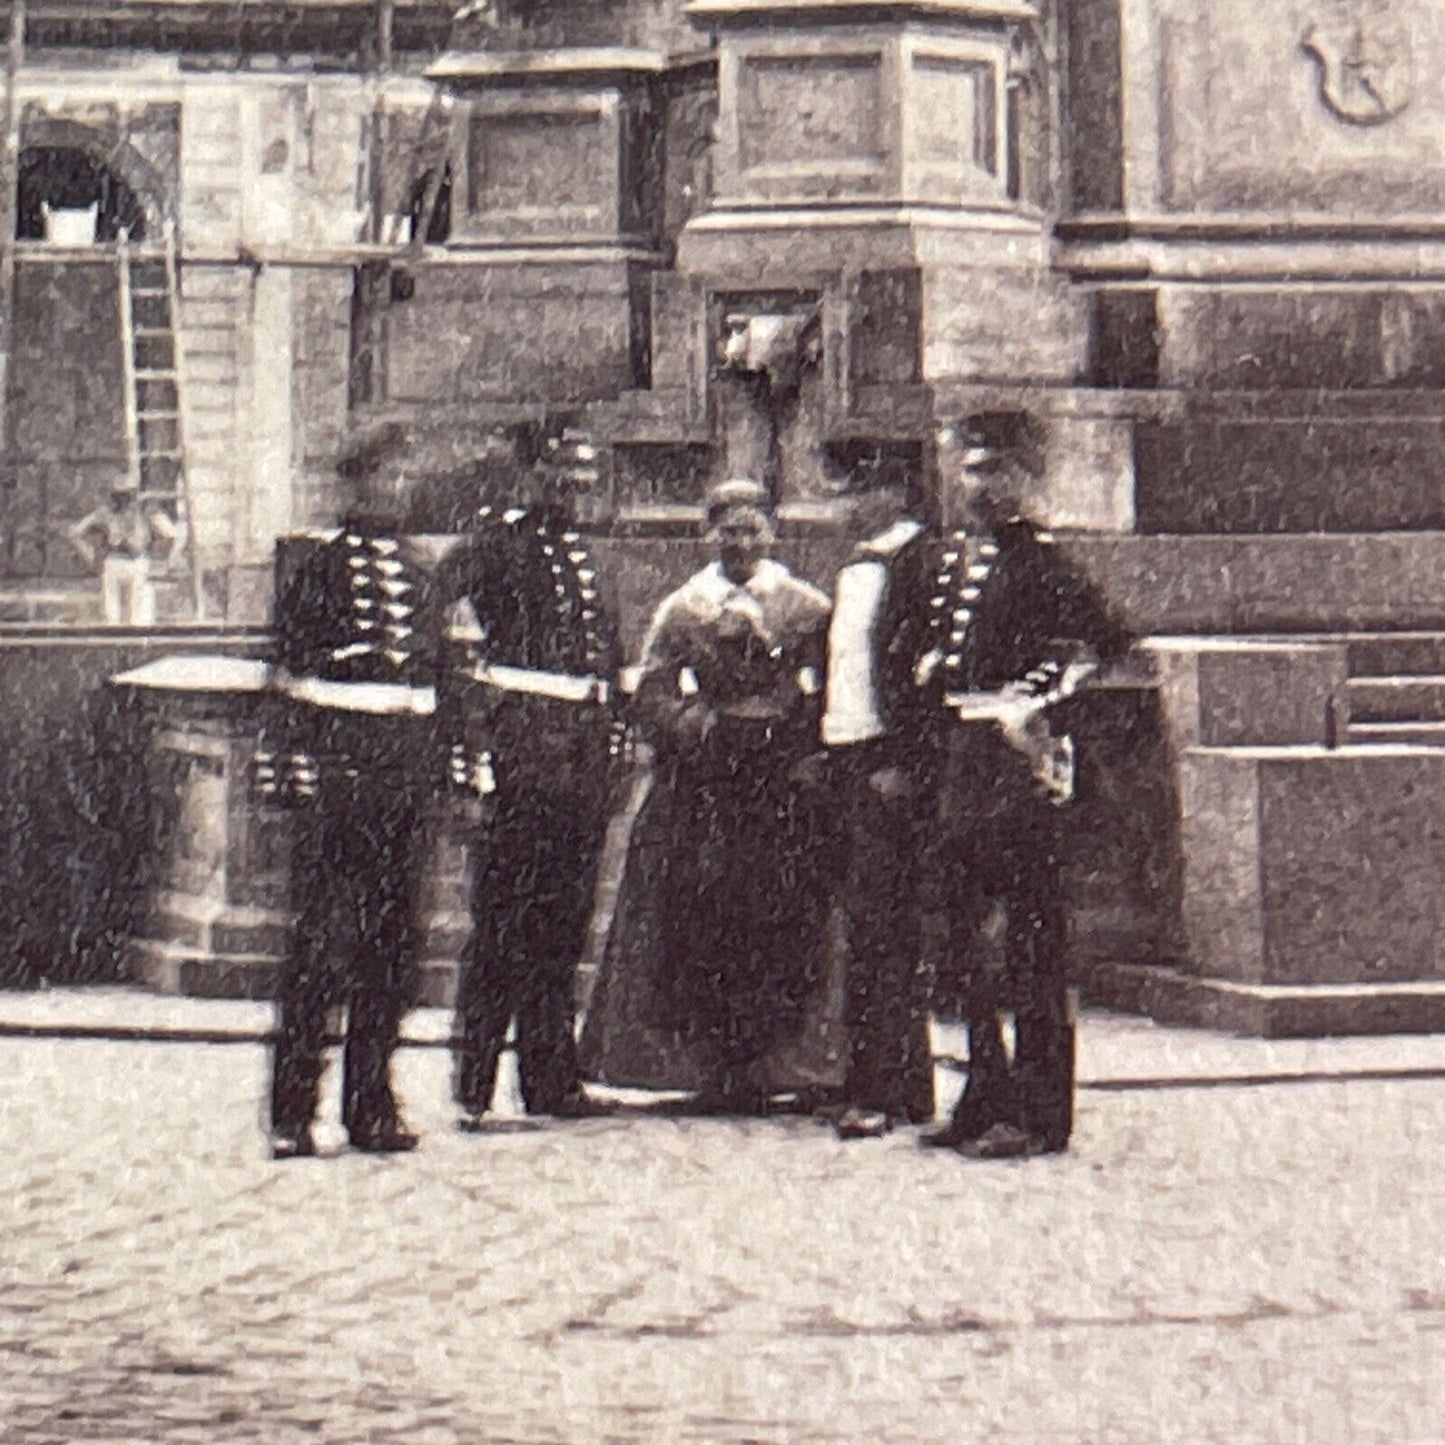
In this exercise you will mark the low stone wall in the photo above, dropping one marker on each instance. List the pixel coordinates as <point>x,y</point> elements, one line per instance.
<point>75,813</point>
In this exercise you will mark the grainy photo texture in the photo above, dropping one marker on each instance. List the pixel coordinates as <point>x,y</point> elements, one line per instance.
<point>724,722</point>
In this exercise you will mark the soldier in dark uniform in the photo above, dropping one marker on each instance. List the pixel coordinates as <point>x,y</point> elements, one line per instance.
<point>530,700</point>
<point>1017,630</point>
<point>351,747</point>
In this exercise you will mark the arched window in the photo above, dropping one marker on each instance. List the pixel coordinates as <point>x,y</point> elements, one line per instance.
<point>68,178</point>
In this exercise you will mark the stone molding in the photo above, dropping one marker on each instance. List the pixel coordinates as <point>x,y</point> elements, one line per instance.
<point>830,12</point>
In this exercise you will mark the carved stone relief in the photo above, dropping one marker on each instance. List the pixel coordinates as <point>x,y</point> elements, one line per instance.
<point>1365,57</point>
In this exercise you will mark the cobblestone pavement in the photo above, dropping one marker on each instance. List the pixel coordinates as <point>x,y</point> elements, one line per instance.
<point>1209,1264</point>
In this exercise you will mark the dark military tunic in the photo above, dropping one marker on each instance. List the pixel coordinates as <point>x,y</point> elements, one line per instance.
<point>1008,612</point>
<point>529,707</point>
<point>351,747</point>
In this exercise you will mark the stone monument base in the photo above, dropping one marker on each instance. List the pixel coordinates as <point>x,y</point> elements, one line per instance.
<point>1270,1011</point>
<point>1311,899</point>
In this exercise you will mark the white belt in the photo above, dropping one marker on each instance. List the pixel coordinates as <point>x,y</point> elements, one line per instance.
<point>537,682</point>
<point>392,698</point>
<point>990,707</point>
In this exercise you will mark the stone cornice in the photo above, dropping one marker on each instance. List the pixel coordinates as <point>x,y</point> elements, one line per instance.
<point>1252,250</point>
<point>465,68</point>
<point>323,27</point>
<point>719,13</point>
<point>1251,226</point>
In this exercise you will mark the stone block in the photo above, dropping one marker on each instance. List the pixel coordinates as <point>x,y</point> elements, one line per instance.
<point>1393,653</point>
<point>818,125</point>
<point>1311,897</point>
<point>1222,903</point>
<point>1270,583</point>
<point>1163,584</point>
<point>954,121</point>
<point>1089,474</point>
<point>217,977</point>
<point>513,333</point>
<point>1324,582</point>
<point>1231,692</point>
<point>1303,473</point>
<point>1308,866</point>
<point>1397,699</point>
<point>1259,111</point>
<point>998,316</point>
<point>1352,851</point>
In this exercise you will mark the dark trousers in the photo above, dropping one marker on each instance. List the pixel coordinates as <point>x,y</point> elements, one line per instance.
<point>890,1060</point>
<point>358,856</point>
<point>532,886</point>
<point>1015,862</point>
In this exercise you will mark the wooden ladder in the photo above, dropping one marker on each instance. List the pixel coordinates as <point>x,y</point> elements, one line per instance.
<point>150,313</point>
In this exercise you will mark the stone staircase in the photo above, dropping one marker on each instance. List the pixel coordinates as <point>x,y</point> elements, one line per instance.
<point>1396,688</point>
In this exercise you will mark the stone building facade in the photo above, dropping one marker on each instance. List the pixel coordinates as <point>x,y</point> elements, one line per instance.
<point>1202,246</point>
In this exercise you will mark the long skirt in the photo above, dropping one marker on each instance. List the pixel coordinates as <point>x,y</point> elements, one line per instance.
<point>722,953</point>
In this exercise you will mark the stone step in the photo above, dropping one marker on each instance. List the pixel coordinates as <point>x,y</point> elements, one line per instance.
<point>50,605</point>
<point>1426,734</point>
<point>1419,698</point>
<point>1396,654</point>
<point>1343,582</point>
<point>79,604</point>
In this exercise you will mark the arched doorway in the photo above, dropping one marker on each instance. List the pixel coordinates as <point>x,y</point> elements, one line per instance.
<point>70,178</point>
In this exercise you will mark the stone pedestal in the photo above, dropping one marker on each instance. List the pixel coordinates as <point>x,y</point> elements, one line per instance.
<point>1311,899</point>
<point>216,920</point>
<point>1306,873</point>
<point>876,155</point>
<point>1255,239</point>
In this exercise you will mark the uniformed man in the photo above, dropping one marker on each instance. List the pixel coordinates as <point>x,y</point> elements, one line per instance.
<point>880,732</point>
<point>1017,630</point>
<point>351,748</point>
<point>531,706</point>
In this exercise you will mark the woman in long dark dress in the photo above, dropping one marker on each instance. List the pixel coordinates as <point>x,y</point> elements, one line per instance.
<point>715,976</point>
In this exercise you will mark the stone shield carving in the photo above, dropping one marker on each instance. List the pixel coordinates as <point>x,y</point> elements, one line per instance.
<point>1365,56</point>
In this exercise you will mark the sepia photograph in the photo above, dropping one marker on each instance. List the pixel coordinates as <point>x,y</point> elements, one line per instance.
<point>725,722</point>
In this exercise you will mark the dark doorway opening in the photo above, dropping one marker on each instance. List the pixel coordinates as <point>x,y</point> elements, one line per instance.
<point>439,225</point>
<point>65,177</point>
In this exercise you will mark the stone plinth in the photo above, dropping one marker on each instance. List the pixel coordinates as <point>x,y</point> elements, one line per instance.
<point>879,163</point>
<point>543,293</point>
<point>1306,873</point>
<point>216,920</point>
<point>1231,692</point>
<point>1311,899</point>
